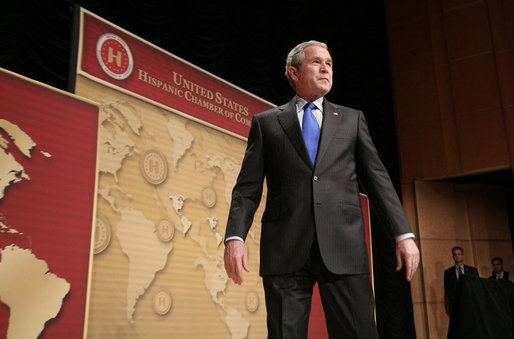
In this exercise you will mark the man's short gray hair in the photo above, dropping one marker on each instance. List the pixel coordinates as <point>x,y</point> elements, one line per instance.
<point>296,55</point>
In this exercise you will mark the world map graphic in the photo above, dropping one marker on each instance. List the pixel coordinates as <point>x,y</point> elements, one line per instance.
<point>164,190</point>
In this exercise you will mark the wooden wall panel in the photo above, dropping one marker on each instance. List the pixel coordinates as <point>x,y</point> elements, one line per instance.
<point>474,84</point>
<point>448,215</point>
<point>482,140</point>
<point>452,68</point>
<point>453,165</point>
<point>452,4</point>
<point>401,11</point>
<point>487,218</point>
<point>509,122</point>
<point>443,224</point>
<point>467,31</point>
<point>416,101</point>
<point>505,66</point>
<point>485,250</point>
<point>501,14</point>
<point>422,151</point>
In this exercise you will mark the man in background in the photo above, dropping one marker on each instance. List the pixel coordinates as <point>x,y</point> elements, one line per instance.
<point>498,272</point>
<point>456,272</point>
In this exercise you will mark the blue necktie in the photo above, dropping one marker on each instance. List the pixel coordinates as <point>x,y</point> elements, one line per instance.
<point>310,130</point>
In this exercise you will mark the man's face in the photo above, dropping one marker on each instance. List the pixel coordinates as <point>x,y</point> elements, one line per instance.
<point>314,78</point>
<point>497,266</point>
<point>458,257</point>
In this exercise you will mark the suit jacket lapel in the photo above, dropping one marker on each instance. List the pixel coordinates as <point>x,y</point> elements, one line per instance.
<point>331,119</point>
<point>288,118</point>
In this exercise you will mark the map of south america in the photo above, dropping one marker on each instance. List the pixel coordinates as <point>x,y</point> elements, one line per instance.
<point>142,266</point>
<point>32,293</point>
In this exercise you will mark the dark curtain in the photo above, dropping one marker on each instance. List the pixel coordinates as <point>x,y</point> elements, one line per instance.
<point>245,43</point>
<point>482,308</point>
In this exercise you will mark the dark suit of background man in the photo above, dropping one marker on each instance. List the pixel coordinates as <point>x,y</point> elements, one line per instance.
<point>452,274</point>
<point>312,226</point>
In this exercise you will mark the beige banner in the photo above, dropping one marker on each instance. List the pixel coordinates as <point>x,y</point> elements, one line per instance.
<point>164,189</point>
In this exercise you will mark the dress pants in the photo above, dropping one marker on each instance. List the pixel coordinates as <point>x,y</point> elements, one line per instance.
<point>347,301</point>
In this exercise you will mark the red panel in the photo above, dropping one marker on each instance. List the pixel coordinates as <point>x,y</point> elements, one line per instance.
<point>317,325</point>
<point>54,209</point>
<point>168,80</point>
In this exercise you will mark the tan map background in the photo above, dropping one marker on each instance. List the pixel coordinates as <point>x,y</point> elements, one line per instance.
<point>163,195</point>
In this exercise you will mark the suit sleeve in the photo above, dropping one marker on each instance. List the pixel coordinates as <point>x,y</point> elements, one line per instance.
<point>377,183</point>
<point>447,287</point>
<point>247,192</point>
<point>474,271</point>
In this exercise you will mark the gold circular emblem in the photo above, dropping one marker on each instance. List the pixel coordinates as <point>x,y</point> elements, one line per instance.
<point>209,197</point>
<point>252,301</point>
<point>154,167</point>
<point>165,230</point>
<point>114,56</point>
<point>102,234</point>
<point>162,302</point>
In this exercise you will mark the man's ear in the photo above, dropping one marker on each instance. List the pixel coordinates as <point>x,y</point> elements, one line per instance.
<point>293,72</point>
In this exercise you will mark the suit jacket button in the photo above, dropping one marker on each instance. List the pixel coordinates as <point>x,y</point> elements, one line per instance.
<point>315,178</point>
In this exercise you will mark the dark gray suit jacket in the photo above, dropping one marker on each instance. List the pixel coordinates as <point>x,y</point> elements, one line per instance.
<point>303,200</point>
<point>450,280</point>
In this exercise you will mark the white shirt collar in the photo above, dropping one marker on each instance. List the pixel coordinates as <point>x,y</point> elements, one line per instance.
<point>300,102</point>
<point>318,111</point>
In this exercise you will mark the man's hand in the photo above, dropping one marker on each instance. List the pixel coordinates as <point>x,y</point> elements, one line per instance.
<point>236,259</point>
<point>406,250</point>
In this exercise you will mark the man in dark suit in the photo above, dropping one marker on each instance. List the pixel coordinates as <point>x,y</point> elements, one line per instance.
<point>312,154</point>
<point>498,272</point>
<point>454,273</point>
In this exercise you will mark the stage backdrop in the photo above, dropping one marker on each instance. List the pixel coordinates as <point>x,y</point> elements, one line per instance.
<point>48,141</point>
<point>171,140</point>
